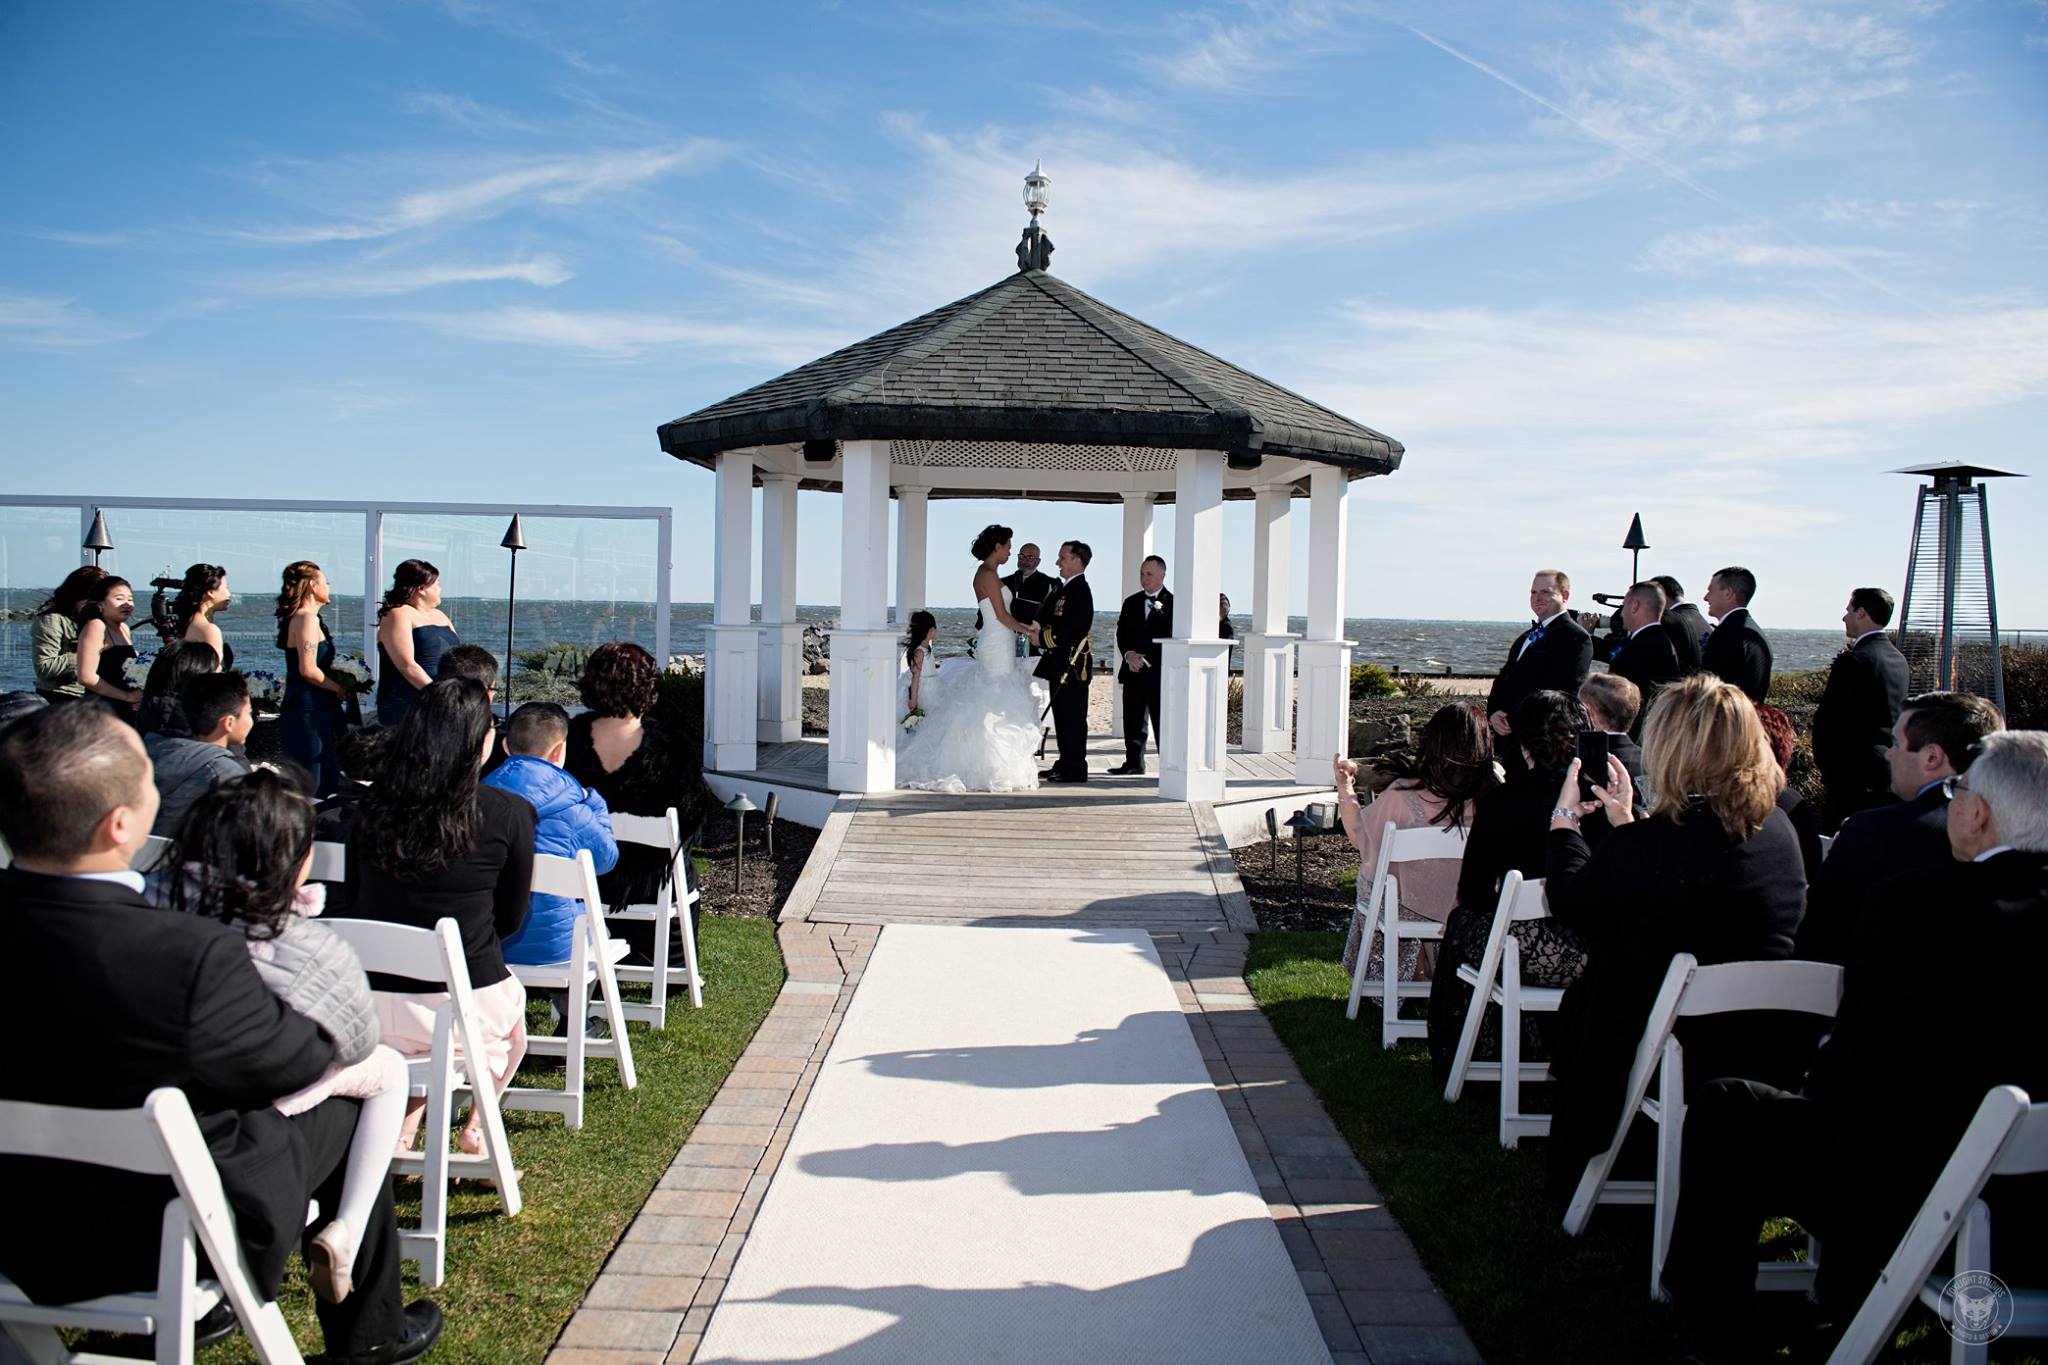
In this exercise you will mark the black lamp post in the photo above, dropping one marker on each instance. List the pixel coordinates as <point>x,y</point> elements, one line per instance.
<point>1301,822</point>
<point>515,541</point>
<point>1635,545</point>
<point>97,538</point>
<point>1273,833</point>
<point>739,806</point>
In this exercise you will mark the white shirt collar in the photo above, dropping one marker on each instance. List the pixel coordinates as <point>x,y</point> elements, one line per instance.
<point>1865,636</point>
<point>1988,854</point>
<point>1643,627</point>
<point>131,879</point>
<point>1929,787</point>
<point>1547,621</point>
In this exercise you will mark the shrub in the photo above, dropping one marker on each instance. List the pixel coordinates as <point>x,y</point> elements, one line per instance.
<point>1413,685</point>
<point>1797,689</point>
<point>679,705</point>
<point>2026,688</point>
<point>1370,680</point>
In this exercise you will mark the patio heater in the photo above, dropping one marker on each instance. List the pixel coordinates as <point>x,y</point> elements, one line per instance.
<point>515,541</point>
<point>97,540</point>
<point>1948,614</point>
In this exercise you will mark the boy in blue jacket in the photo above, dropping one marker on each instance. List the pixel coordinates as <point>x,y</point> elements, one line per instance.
<point>571,817</point>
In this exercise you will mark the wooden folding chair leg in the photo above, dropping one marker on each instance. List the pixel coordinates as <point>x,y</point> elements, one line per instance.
<point>689,928</point>
<point>608,987</point>
<point>1510,1054</point>
<point>657,992</point>
<point>1366,938</point>
<point>178,1267</point>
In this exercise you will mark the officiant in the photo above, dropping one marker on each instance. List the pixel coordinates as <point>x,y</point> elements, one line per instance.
<point>1146,619</point>
<point>1028,589</point>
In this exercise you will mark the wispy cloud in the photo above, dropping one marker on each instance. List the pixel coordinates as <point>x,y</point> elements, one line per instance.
<point>1743,248</point>
<point>71,237</point>
<point>1238,54</point>
<point>366,280</point>
<point>465,112</point>
<point>56,323</point>
<point>556,180</point>
<point>625,335</point>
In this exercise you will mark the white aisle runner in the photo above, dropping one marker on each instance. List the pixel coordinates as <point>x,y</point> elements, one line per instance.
<point>1013,1153</point>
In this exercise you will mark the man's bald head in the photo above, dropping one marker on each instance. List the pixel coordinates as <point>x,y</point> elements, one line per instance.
<point>63,772</point>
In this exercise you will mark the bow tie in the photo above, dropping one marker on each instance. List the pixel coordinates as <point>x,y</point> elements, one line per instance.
<point>1535,625</point>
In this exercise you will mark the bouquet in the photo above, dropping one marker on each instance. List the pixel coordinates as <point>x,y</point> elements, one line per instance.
<point>910,722</point>
<point>266,689</point>
<point>135,672</point>
<point>350,671</point>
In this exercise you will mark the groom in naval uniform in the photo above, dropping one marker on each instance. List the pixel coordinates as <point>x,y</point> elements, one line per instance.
<point>1064,625</point>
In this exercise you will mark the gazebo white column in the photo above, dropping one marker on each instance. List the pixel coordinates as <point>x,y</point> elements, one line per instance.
<point>1324,716</point>
<point>782,639</point>
<point>1137,544</point>
<point>732,644</point>
<point>912,505</point>
<point>1196,676</point>
<point>1269,648</point>
<point>862,753</point>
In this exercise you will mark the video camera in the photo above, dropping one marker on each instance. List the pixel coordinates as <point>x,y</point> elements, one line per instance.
<point>1607,631</point>
<point>160,618</point>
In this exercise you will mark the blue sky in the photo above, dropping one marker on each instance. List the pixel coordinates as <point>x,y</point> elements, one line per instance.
<point>1722,264</point>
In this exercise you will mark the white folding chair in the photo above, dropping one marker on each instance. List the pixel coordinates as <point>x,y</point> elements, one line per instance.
<point>1691,991</point>
<point>1380,903</point>
<point>330,862</point>
<point>435,955</point>
<point>1497,980</point>
<point>160,1138</point>
<point>2009,1136</point>
<point>154,847</point>
<point>672,902</point>
<point>594,956</point>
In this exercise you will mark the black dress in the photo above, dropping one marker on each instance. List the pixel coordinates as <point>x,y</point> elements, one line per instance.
<point>309,718</point>
<point>662,772</point>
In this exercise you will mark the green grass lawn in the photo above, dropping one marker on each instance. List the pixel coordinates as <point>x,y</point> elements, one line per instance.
<point>1478,1215</point>
<point>513,1282</point>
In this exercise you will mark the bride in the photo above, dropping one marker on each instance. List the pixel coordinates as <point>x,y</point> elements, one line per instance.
<point>980,727</point>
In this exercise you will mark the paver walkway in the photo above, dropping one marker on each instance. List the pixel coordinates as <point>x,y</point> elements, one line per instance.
<point>1360,1277</point>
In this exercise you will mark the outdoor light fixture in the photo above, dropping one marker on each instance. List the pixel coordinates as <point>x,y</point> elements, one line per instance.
<point>774,804</point>
<point>1302,823</point>
<point>1635,544</point>
<point>1036,185</point>
<point>515,541</point>
<point>739,806</point>
<point>97,538</point>
<point>1273,833</point>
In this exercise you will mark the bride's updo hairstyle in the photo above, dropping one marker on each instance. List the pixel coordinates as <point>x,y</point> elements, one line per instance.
<point>990,537</point>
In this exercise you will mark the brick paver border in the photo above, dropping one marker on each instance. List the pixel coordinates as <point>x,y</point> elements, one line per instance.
<point>1370,1294</point>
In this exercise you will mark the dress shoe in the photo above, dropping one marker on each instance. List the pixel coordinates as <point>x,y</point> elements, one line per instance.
<point>1128,770</point>
<point>1055,775</point>
<point>421,1329</point>
<point>214,1326</point>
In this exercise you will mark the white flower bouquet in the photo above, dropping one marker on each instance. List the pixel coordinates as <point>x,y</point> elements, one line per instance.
<point>135,672</point>
<point>911,721</point>
<point>266,689</point>
<point>350,671</point>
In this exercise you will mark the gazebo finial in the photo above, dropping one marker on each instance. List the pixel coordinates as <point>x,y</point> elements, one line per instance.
<point>1034,252</point>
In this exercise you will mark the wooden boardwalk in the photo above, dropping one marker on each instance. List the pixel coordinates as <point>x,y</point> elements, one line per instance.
<point>1093,855</point>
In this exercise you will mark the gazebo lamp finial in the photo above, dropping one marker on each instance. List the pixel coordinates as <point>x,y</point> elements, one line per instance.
<point>1034,252</point>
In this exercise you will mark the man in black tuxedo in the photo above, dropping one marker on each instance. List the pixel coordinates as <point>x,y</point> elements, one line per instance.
<point>148,999</point>
<point>1553,655</point>
<point>1647,657</point>
<point>1683,622</point>
<point>1735,650</point>
<point>1065,624</point>
<point>1028,588</point>
<point>1940,1003</point>
<point>1935,737</point>
<point>1610,700</point>
<point>1147,618</point>
<point>1852,726</point>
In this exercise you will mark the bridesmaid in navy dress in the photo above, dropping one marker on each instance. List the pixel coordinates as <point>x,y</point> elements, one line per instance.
<point>310,718</point>
<point>412,635</point>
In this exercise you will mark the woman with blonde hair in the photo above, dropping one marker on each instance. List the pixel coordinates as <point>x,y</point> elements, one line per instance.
<point>309,718</point>
<point>1713,870</point>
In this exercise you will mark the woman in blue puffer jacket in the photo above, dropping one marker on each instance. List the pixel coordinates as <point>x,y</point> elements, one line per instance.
<point>570,817</point>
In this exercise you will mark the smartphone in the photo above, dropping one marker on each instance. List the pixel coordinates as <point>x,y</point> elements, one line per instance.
<point>1592,762</point>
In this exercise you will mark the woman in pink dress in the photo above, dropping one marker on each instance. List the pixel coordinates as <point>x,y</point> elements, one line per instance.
<point>1452,764</point>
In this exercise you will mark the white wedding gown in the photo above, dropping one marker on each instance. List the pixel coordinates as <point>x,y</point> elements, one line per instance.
<point>980,727</point>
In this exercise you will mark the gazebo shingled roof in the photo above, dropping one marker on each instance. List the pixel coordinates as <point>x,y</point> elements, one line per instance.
<point>1035,362</point>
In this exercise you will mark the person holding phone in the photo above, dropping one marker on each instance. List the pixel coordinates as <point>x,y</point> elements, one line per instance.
<point>1713,870</point>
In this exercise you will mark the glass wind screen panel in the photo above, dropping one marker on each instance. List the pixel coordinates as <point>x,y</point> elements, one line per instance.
<point>162,543</point>
<point>582,580</point>
<point>38,546</point>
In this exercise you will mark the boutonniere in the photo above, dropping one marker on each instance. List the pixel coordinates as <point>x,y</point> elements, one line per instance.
<point>1536,635</point>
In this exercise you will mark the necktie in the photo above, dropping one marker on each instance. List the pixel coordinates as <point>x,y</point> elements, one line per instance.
<point>1150,602</point>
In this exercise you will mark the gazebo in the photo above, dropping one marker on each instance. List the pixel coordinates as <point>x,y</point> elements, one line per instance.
<point>1029,388</point>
